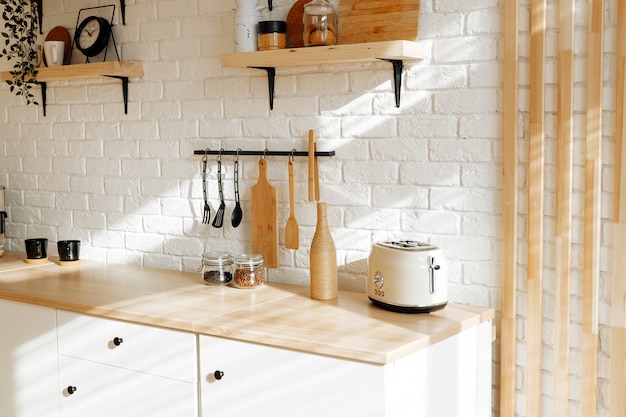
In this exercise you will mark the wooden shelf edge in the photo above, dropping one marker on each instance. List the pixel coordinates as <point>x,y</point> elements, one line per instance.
<point>85,71</point>
<point>334,54</point>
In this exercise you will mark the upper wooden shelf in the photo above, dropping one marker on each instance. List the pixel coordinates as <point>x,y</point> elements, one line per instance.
<point>85,71</point>
<point>334,54</point>
<point>393,51</point>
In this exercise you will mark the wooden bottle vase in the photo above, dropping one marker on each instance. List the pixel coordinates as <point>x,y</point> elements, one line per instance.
<point>323,259</point>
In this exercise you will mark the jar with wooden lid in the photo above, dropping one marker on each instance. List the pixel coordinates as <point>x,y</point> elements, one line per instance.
<point>249,271</point>
<point>319,24</point>
<point>217,268</point>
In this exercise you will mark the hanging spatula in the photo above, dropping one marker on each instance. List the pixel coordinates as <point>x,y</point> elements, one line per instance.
<point>292,231</point>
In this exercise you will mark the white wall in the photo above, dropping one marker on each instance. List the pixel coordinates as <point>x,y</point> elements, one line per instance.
<point>129,185</point>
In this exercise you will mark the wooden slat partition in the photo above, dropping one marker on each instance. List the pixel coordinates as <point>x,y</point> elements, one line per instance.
<point>535,206</point>
<point>509,214</point>
<point>617,399</point>
<point>563,206</point>
<point>593,165</point>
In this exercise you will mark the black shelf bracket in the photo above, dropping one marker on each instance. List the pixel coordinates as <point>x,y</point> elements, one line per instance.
<point>124,81</point>
<point>44,96</point>
<point>39,4</point>
<point>397,77</point>
<point>271,77</point>
<point>265,152</point>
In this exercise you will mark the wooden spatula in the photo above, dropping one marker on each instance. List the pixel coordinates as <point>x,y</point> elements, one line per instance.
<point>292,231</point>
<point>264,218</point>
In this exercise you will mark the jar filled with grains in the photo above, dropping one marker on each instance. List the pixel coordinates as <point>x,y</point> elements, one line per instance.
<point>249,271</point>
<point>272,35</point>
<point>217,268</point>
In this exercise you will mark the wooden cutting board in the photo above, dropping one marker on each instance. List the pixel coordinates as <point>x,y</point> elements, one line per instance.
<point>377,20</point>
<point>264,218</point>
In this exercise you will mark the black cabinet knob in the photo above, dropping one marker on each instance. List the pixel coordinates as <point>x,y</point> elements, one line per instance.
<point>118,341</point>
<point>71,390</point>
<point>218,375</point>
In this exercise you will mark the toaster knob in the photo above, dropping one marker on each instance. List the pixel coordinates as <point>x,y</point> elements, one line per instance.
<point>378,279</point>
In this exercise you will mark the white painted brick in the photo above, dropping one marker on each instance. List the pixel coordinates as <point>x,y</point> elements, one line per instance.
<point>369,127</point>
<point>438,174</point>
<point>464,101</point>
<point>482,48</point>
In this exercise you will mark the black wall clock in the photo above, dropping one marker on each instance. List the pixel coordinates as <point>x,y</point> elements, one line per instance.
<point>92,35</point>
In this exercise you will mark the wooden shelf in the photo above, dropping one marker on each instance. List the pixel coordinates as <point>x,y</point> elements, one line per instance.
<point>334,54</point>
<point>395,52</point>
<point>120,70</point>
<point>85,71</point>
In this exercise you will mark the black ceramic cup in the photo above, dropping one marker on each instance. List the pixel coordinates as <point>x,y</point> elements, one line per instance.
<point>69,250</point>
<point>36,248</point>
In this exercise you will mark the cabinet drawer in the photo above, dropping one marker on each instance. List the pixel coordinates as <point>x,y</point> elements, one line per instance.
<point>162,352</point>
<point>99,390</point>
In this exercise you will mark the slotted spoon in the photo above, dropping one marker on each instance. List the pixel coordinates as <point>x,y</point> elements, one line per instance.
<point>218,221</point>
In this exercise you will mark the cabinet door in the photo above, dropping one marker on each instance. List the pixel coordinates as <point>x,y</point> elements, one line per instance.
<point>266,381</point>
<point>99,390</point>
<point>28,361</point>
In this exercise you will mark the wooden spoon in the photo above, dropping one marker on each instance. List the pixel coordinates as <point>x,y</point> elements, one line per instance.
<point>292,231</point>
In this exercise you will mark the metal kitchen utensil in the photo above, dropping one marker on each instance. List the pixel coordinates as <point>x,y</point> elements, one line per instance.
<point>237,212</point>
<point>206,209</point>
<point>292,231</point>
<point>218,221</point>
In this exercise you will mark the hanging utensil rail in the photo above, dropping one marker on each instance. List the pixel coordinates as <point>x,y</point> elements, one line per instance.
<point>265,152</point>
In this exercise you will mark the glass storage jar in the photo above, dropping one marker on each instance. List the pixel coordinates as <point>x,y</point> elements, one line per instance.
<point>319,24</point>
<point>249,271</point>
<point>217,268</point>
<point>272,35</point>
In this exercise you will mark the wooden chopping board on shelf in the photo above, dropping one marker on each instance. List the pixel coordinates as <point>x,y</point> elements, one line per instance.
<point>377,20</point>
<point>264,218</point>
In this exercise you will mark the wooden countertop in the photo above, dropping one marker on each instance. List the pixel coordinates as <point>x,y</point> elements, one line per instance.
<point>279,315</point>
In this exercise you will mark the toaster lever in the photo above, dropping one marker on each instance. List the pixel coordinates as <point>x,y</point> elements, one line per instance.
<point>432,267</point>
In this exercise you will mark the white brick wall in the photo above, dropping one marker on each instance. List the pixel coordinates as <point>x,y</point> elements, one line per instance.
<point>129,186</point>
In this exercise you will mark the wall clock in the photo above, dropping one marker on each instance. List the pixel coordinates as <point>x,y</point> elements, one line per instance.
<point>92,36</point>
<point>94,32</point>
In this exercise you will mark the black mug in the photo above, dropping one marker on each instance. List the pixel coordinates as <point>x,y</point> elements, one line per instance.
<point>36,248</point>
<point>69,250</point>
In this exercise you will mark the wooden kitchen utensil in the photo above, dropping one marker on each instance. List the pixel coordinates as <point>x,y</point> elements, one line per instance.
<point>311,160</point>
<point>292,231</point>
<point>264,218</point>
<point>535,206</point>
<point>377,20</point>
<point>510,146</point>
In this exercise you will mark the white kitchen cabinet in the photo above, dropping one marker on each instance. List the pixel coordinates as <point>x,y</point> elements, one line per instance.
<point>267,381</point>
<point>114,368</point>
<point>28,361</point>
<point>451,378</point>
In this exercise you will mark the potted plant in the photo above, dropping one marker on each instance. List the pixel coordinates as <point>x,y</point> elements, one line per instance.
<point>20,36</point>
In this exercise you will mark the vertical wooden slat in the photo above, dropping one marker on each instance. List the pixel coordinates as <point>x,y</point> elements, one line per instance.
<point>563,207</point>
<point>617,399</point>
<point>593,165</point>
<point>535,205</point>
<point>509,210</point>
